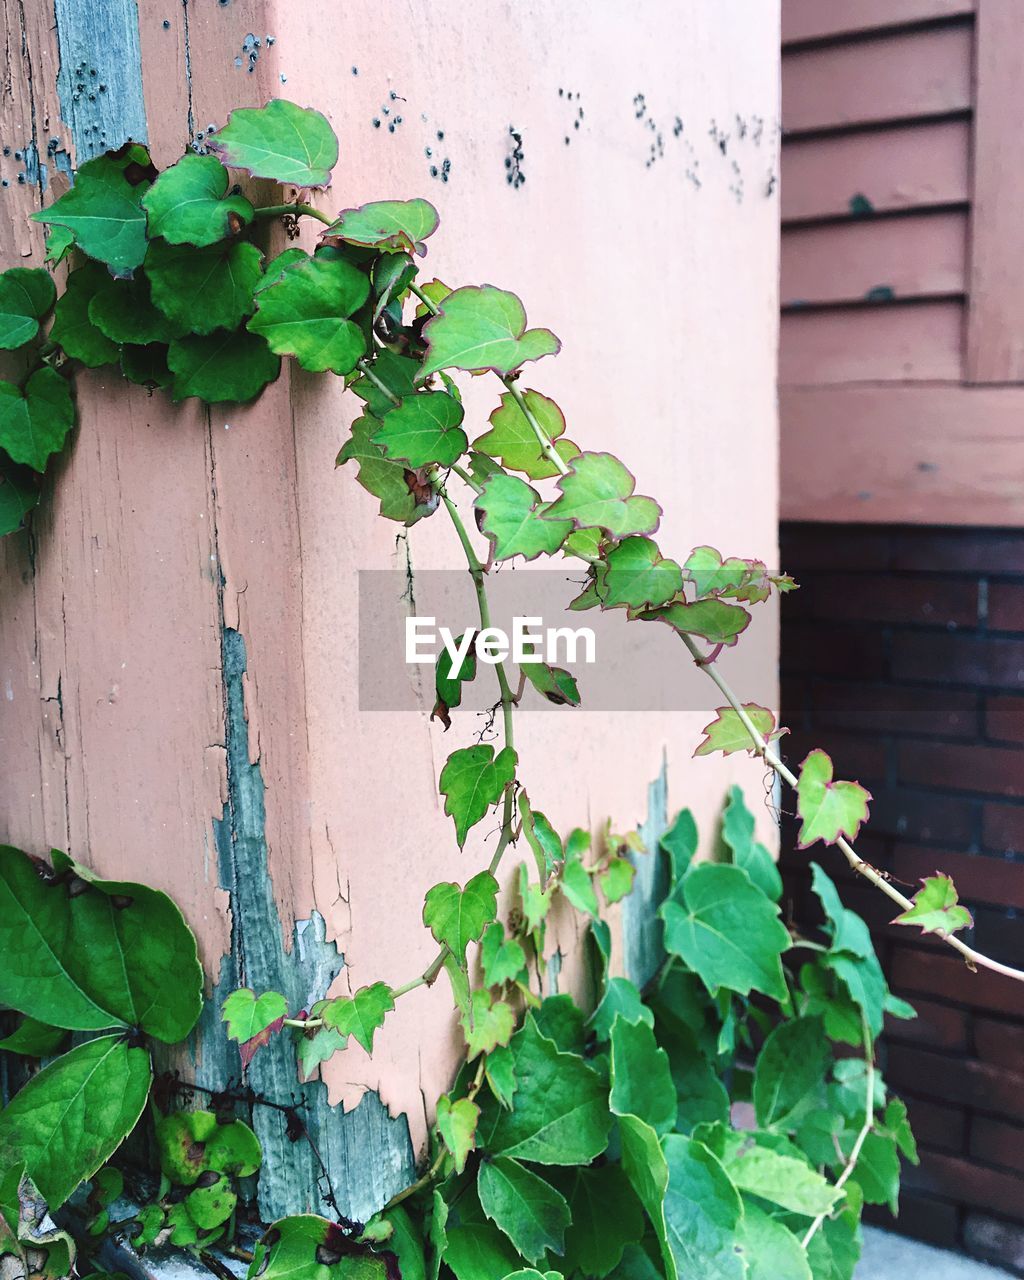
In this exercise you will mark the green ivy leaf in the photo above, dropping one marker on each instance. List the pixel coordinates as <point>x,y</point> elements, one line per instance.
<point>456,1122</point>
<point>605,1217</point>
<point>637,576</point>
<point>878,1169</point>
<point>514,442</point>
<point>500,1075</point>
<point>397,373</point>
<point>201,290</point>
<point>703,1212</point>
<point>560,1019</point>
<point>448,687</point>
<point>555,684</point>
<point>789,1072</point>
<point>643,1163</point>
<point>503,959</point>
<point>712,620</point>
<point>103,210</point>
<point>71,1117</point>
<point>59,243</point>
<point>828,809</point>
<point>474,1249</point>
<point>536,901</point>
<point>617,879</point>
<point>598,494</point>
<point>511,514</point>
<point>936,908</point>
<point>34,423</point>
<point>396,226</point>
<point>622,1000</point>
<point>727,931</point>
<point>360,1015</point>
<point>726,733</point>
<point>316,1044</point>
<point>304,313</point>
<point>189,203</point>
<point>392,482</point>
<point>575,876</point>
<point>641,1077</point>
<point>541,836</point>
<point>772,1251</point>
<point>19,495</point>
<point>481,327</point>
<point>248,1014</point>
<point>562,1118</point>
<point>146,366</point>
<point>777,1178</point>
<point>456,917</point>
<point>26,296</point>
<point>471,781</point>
<point>834,1249</point>
<point>852,955</point>
<point>192,1142</point>
<point>282,141</point>
<point>123,311</point>
<point>212,1205</point>
<point>711,575</point>
<point>753,857</point>
<point>72,330</point>
<point>34,1039</point>
<point>222,367</point>
<point>680,843</point>
<point>527,1209</point>
<point>423,429</point>
<point>488,1024</point>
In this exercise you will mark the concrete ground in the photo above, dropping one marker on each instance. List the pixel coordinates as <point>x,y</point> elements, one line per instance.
<point>890,1257</point>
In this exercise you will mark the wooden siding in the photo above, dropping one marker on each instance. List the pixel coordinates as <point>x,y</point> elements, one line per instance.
<point>902,261</point>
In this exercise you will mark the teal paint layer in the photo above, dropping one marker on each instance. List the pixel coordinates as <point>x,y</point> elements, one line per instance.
<point>100,78</point>
<point>368,1155</point>
<point>642,932</point>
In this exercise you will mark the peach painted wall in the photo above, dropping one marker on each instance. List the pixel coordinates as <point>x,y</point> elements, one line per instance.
<point>178,539</point>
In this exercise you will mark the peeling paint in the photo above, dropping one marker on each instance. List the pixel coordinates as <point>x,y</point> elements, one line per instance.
<point>641,927</point>
<point>367,1155</point>
<point>100,78</point>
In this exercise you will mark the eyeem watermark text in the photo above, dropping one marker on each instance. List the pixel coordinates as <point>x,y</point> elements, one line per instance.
<point>530,641</point>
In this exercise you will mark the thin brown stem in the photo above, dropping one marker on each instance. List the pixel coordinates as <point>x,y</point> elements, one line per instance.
<point>294,211</point>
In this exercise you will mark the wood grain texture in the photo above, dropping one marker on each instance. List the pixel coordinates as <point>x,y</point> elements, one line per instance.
<point>822,19</point>
<point>995,320</point>
<point>904,167</point>
<point>898,77</point>
<point>942,454</point>
<point>889,343</point>
<point>848,262</point>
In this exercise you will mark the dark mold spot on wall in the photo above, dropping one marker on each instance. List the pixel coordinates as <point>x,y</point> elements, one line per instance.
<point>514,174</point>
<point>250,55</point>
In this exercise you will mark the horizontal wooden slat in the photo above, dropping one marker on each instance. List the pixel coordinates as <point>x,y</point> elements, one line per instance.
<point>908,342</point>
<point>900,168</point>
<point>896,78</point>
<point>817,19</point>
<point>912,257</point>
<point>928,455</point>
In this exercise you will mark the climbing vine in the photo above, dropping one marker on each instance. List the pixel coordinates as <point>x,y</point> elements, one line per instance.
<point>702,1125</point>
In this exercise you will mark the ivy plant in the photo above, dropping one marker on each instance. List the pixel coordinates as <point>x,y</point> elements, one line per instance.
<point>572,1142</point>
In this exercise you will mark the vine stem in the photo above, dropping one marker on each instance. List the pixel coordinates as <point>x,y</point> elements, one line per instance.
<point>296,211</point>
<point>866,1127</point>
<point>775,762</point>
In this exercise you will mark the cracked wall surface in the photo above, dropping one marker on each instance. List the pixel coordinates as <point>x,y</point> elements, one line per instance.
<point>178,697</point>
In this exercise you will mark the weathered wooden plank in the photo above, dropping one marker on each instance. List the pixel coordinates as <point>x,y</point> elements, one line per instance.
<point>853,261</point>
<point>898,77</point>
<point>907,167</point>
<point>821,19</point>
<point>944,454</point>
<point>995,319</point>
<point>891,343</point>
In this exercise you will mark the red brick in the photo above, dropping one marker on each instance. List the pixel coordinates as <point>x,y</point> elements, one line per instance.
<point>1001,1043</point>
<point>937,1125</point>
<point>805,548</point>
<point>920,972</point>
<point>993,1241</point>
<point>998,933</point>
<point>957,1178</point>
<point>1006,606</point>
<point>1002,827</point>
<point>913,815</point>
<point>818,649</point>
<point>958,659</point>
<point>861,757</point>
<point>994,1142</point>
<point>1004,719</point>
<point>897,709</point>
<point>922,1218</point>
<point>958,550</point>
<point>939,1026</point>
<point>873,597</point>
<point>978,877</point>
<point>961,767</point>
<point>960,1080</point>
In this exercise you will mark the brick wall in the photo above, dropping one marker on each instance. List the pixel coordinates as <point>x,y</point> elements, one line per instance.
<point>903,655</point>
